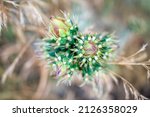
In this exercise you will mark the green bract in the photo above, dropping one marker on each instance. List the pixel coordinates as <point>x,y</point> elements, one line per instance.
<point>68,50</point>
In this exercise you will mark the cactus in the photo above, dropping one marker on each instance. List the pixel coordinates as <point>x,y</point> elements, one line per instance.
<point>68,50</point>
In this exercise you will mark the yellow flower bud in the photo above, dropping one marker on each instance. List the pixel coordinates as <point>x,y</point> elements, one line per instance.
<point>59,26</point>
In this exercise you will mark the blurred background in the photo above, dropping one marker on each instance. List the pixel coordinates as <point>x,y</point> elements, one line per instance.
<point>24,76</point>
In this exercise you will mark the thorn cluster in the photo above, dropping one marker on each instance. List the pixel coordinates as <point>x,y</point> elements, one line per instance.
<point>68,50</point>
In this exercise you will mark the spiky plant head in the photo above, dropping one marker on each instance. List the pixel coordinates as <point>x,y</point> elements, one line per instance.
<point>68,50</point>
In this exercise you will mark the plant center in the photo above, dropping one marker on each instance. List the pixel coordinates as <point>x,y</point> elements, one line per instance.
<point>90,48</point>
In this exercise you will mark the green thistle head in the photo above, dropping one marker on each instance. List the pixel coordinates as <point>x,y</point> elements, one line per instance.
<point>68,50</point>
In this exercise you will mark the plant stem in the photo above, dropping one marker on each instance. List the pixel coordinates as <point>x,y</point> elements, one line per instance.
<point>128,63</point>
